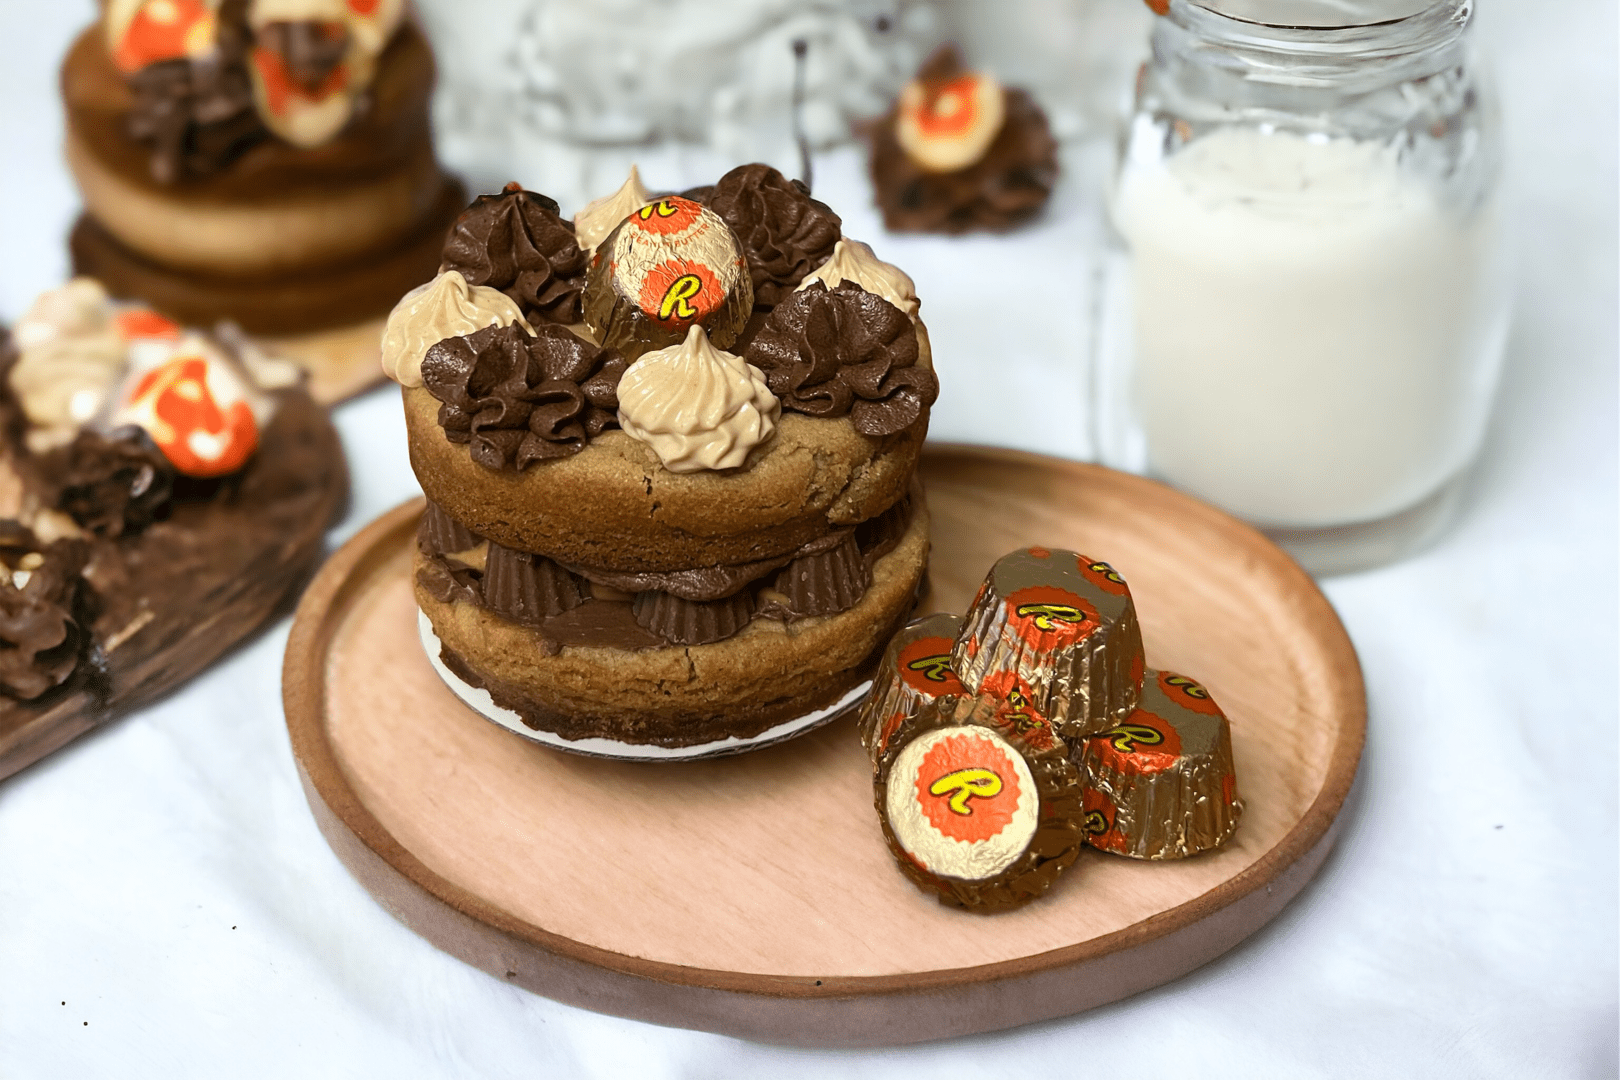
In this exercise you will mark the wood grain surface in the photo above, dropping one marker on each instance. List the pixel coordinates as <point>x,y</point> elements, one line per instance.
<point>754,896</point>
<point>341,363</point>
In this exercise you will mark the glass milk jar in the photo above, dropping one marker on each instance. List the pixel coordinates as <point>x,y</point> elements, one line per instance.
<point>1310,306</point>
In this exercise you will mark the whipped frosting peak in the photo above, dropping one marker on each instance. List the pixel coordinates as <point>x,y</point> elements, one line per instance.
<point>601,216</point>
<point>445,307</point>
<point>695,406</point>
<point>854,262</point>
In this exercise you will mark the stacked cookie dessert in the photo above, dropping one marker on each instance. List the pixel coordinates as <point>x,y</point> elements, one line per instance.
<point>266,161</point>
<point>163,492</point>
<point>669,449</point>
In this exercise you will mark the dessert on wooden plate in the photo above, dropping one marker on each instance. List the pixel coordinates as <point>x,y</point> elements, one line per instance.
<point>1004,740</point>
<point>165,491</point>
<point>669,449</point>
<point>265,161</point>
<point>961,153</point>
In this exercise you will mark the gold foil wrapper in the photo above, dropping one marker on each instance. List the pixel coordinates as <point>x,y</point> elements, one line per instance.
<point>669,266</point>
<point>1061,627</point>
<point>979,802</point>
<point>916,669</point>
<point>1161,784</point>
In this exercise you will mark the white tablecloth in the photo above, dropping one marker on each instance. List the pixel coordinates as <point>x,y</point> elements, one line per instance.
<point>167,907</point>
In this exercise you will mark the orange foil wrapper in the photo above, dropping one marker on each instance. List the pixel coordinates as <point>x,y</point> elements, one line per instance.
<point>916,669</point>
<point>1063,627</point>
<point>979,802</point>
<point>1161,785</point>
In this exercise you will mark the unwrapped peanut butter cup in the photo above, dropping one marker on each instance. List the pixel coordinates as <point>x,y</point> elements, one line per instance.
<point>1064,627</point>
<point>976,812</point>
<point>916,669</point>
<point>1161,784</point>
<point>669,266</point>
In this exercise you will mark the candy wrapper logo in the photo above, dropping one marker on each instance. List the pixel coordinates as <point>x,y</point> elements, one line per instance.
<point>1099,822</point>
<point>948,124</point>
<point>667,217</point>
<point>1052,617</point>
<point>1188,694</point>
<point>1144,744</point>
<point>197,411</point>
<point>925,665</point>
<point>681,292</point>
<point>964,769</point>
<point>1103,576</point>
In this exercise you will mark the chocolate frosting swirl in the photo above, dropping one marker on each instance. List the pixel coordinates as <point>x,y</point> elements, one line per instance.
<point>831,352</point>
<point>785,233</point>
<point>519,399</point>
<point>40,635</point>
<point>518,243</point>
<point>1006,187</point>
<point>198,116</point>
<point>113,484</point>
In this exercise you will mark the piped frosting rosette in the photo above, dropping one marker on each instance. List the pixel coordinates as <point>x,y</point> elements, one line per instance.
<point>978,802</point>
<point>1065,625</point>
<point>1161,784</point>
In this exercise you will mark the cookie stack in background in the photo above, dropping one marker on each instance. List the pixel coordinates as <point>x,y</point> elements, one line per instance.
<point>265,161</point>
<point>670,473</point>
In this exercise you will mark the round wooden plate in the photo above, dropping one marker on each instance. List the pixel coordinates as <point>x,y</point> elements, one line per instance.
<point>754,895</point>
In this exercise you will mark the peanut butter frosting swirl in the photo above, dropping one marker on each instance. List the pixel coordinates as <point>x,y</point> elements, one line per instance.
<point>601,216</point>
<point>517,399</point>
<point>853,261</point>
<point>784,232</point>
<point>845,351</point>
<point>695,406</point>
<point>516,242</point>
<point>445,307</point>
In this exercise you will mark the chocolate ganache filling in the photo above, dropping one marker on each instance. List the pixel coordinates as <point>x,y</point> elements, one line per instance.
<point>844,351</point>
<point>687,607</point>
<point>1007,186</point>
<point>784,232</point>
<point>197,116</point>
<point>518,399</point>
<point>518,243</point>
<point>40,632</point>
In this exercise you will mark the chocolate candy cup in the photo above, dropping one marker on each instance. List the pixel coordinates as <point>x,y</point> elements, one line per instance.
<point>669,266</point>
<point>1063,625</point>
<point>916,669</point>
<point>1161,785</point>
<point>976,812</point>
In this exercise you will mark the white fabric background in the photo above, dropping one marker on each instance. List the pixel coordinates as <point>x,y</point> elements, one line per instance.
<point>167,907</point>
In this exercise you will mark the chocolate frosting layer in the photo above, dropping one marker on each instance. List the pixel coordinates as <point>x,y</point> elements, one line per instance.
<point>785,233</point>
<point>844,351</point>
<point>517,242</point>
<point>692,622</point>
<point>440,534</point>
<point>519,399</point>
<point>112,484</point>
<point>197,116</point>
<point>40,635</point>
<point>527,588</point>
<point>1004,188</point>
<point>446,583</point>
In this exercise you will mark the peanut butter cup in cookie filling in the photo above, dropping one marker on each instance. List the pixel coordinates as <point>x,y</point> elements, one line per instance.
<point>684,511</point>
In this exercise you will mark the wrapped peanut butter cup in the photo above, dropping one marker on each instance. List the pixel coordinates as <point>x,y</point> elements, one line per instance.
<point>1064,625</point>
<point>916,669</point>
<point>979,802</point>
<point>671,265</point>
<point>1161,784</point>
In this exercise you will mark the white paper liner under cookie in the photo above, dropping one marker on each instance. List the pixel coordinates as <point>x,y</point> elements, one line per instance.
<point>480,702</point>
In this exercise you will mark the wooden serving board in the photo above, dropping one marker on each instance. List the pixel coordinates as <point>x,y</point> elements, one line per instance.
<point>754,895</point>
